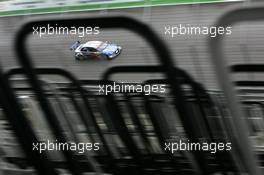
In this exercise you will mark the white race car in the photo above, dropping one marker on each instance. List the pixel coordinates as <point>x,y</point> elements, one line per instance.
<point>95,50</point>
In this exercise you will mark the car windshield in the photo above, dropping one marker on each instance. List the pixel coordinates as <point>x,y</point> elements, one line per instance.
<point>103,46</point>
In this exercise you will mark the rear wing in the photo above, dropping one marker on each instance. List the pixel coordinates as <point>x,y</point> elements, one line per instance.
<point>75,45</point>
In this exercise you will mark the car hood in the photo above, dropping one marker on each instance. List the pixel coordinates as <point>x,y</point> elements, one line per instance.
<point>110,49</point>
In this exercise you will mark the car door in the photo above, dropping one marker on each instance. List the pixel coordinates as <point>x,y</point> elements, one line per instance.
<point>93,53</point>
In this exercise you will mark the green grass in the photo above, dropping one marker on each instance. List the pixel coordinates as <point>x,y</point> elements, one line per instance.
<point>99,6</point>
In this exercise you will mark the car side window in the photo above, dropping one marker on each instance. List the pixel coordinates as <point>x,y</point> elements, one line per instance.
<point>92,49</point>
<point>84,49</point>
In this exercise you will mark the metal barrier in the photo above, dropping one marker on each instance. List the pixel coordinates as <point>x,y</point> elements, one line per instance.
<point>132,126</point>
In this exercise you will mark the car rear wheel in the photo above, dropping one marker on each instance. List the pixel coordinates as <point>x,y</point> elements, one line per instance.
<point>79,58</point>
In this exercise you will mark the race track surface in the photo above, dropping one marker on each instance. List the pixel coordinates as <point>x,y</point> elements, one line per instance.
<point>190,52</point>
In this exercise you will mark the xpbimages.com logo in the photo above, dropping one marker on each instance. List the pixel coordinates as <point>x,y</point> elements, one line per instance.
<point>59,146</point>
<point>80,31</point>
<point>146,89</point>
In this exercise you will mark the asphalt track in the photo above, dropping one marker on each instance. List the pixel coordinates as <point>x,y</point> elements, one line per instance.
<point>190,52</point>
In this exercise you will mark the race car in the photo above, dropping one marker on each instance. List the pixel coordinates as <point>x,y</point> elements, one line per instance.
<point>95,50</point>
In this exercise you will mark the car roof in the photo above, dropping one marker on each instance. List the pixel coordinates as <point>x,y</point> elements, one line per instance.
<point>93,44</point>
